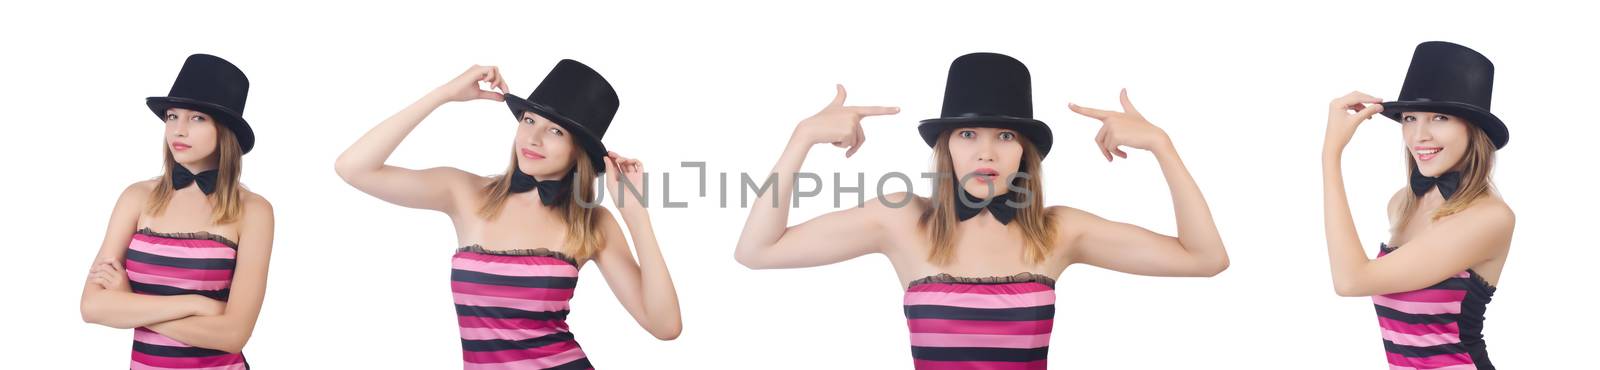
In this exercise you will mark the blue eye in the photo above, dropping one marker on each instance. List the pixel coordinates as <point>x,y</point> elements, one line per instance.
<point>1441,117</point>
<point>557,131</point>
<point>527,120</point>
<point>1007,136</point>
<point>198,118</point>
<point>967,134</point>
<point>172,117</point>
<point>1408,119</point>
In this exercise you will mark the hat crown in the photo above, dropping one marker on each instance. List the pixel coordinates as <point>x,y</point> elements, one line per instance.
<point>1443,71</point>
<point>577,93</point>
<point>210,79</point>
<point>988,84</point>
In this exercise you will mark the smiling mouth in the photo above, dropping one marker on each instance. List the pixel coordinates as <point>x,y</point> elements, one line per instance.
<point>180,146</point>
<point>1427,154</point>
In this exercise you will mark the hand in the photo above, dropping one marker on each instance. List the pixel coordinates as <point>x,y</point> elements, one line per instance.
<point>1126,128</point>
<point>1342,122</point>
<point>108,274</point>
<point>838,124</point>
<point>617,168</point>
<point>467,86</point>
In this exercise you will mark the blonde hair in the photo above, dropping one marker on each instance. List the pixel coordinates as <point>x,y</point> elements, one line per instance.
<point>1476,167</point>
<point>583,231</point>
<point>939,220</point>
<point>225,199</point>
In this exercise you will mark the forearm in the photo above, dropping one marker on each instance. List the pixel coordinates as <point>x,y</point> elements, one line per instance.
<point>373,148</point>
<point>125,310</point>
<point>221,332</point>
<point>767,222</point>
<point>661,313</point>
<point>1345,256</point>
<point>1197,231</point>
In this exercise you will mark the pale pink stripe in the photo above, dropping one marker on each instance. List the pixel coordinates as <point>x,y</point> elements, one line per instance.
<point>979,340</point>
<point>135,276</point>
<point>1423,340</point>
<point>970,300</point>
<point>537,363</point>
<point>1418,308</point>
<point>136,365</point>
<point>156,339</point>
<point>512,269</point>
<point>521,304</point>
<point>507,334</point>
<point>218,251</point>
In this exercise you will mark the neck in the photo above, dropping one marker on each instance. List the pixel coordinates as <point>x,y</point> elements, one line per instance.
<point>198,167</point>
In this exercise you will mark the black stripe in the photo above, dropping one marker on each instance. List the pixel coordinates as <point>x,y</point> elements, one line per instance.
<point>1392,314</point>
<point>170,351</point>
<point>979,354</point>
<point>187,263</point>
<point>1045,312</point>
<point>578,364</point>
<point>155,289</point>
<point>509,313</point>
<point>490,345</point>
<point>1413,351</point>
<point>552,282</point>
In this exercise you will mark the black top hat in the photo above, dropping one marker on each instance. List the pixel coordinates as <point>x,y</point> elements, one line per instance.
<point>1450,79</point>
<point>988,90</point>
<point>577,98</point>
<point>211,85</point>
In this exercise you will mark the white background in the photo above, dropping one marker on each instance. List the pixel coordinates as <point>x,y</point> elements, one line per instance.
<point>1242,89</point>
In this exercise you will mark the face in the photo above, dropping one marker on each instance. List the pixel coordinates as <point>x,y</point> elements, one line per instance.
<point>985,157</point>
<point>191,137</point>
<point>545,150</point>
<point>1436,141</point>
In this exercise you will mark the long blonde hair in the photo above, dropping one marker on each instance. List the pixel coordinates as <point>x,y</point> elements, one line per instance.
<point>225,199</point>
<point>583,231</point>
<point>939,221</point>
<point>1476,167</point>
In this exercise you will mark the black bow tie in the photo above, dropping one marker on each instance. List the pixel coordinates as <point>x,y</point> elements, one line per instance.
<point>181,178</point>
<point>997,207</point>
<point>1447,183</point>
<point>551,192</point>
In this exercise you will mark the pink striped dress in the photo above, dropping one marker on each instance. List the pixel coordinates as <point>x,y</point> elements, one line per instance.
<point>1438,327</point>
<point>994,323</point>
<point>512,308</point>
<point>177,264</point>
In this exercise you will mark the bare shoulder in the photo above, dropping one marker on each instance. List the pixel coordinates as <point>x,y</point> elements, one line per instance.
<point>138,191</point>
<point>1069,221</point>
<point>1489,211</point>
<point>255,205</point>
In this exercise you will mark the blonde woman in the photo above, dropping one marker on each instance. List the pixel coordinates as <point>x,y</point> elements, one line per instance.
<point>980,258</point>
<point>184,261</point>
<point>524,234</point>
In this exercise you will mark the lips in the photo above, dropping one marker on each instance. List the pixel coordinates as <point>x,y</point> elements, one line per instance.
<point>179,146</point>
<point>1426,153</point>
<point>986,174</point>
<point>530,154</point>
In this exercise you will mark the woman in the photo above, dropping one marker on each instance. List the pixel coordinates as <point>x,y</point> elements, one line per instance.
<point>980,289</point>
<point>522,249</point>
<point>1449,230</point>
<point>170,266</point>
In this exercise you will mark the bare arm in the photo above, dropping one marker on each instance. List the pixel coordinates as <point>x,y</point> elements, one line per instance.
<point>643,286</point>
<point>1452,245</point>
<point>232,328</point>
<point>1197,250</point>
<point>768,242</point>
<point>363,164</point>
<point>108,300</point>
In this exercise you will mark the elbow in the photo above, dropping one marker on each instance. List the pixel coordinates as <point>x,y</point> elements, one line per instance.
<point>748,259</point>
<point>668,332</point>
<point>1217,267</point>
<point>1347,289</point>
<point>232,342</point>
<point>344,169</point>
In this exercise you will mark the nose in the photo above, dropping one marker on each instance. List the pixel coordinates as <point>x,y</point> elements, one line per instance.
<point>1421,132</point>
<point>986,150</point>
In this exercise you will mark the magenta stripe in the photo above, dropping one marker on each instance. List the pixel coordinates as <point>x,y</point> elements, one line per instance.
<point>1418,329</point>
<point>179,251</point>
<point>554,353</point>
<point>1418,308</point>
<point>470,333</point>
<point>519,260</point>
<point>1430,295</point>
<point>977,365</point>
<point>974,300</point>
<point>508,324</point>
<point>514,269</point>
<point>980,340</point>
<point>1430,362</point>
<point>143,278</point>
<point>509,291</point>
<point>188,362</point>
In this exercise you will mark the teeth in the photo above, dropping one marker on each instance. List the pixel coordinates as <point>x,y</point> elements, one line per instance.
<point>1428,151</point>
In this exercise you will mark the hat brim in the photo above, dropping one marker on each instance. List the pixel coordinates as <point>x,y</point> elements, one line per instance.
<point>234,121</point>
<point>1032,129</point>
<point>588,140</point>
<point>1488,122</point>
